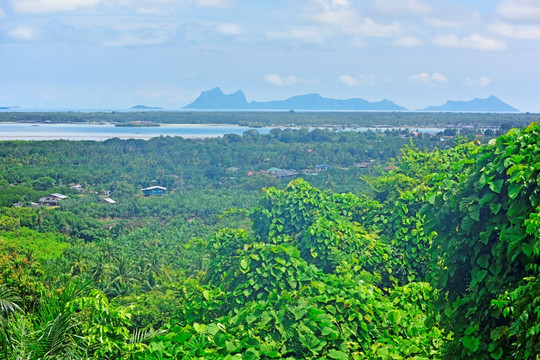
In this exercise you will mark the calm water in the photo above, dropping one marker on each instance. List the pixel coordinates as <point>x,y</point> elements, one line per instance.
<point>41,131</point>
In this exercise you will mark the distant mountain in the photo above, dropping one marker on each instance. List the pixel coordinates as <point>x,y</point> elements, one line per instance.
<point>215,99</point>
<point>144,107</point>
<point>490,104</point>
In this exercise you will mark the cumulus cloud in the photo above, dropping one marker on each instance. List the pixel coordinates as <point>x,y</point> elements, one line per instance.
<point>520,10</point>
<point>474,41</point>
<point>358,80</point>
<point>23,32</point>
<point>428,79</point>
<point>343,16</point>
<point>216,3</point>
<point>334,12</point>
<point>454,16</point>
<point>280,80</point>
<point>368,27</point>
<point>513,31</point>
<point>408,41</point>
<point>401,8</point>
<point>307,33</point>
<point>144,36</point>
<point>480,82</point>
<point>229,29</point>
<point>50,6</point>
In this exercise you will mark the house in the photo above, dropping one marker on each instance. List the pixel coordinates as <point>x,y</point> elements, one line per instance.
<point>154,190</point>
<point>363,164</point>
<point>285,174</point>
<point>29,204</point>
<point>51,200</point>
<point>321,167</point>
<point>273,170</point>
<point>107,201</point>
<point>308,172</point>
<point>77,187</point>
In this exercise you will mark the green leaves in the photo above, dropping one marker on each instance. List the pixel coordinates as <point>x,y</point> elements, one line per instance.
<point>483,249</point>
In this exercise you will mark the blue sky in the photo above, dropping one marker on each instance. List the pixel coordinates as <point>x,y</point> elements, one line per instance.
<point>113,54</point>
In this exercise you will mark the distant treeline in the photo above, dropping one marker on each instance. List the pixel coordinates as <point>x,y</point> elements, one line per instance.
<point>255,119</point>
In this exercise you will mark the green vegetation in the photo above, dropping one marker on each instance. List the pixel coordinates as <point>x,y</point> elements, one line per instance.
<point>434,257</point>
<point>261,118</point>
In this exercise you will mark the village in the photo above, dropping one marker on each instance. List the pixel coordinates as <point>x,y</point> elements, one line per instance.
<point>54,199</point>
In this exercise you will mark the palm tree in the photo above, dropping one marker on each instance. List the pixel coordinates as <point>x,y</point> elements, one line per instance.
<point>9,304</point>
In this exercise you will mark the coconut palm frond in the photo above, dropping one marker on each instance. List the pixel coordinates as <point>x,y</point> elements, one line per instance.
<point>9,302</point>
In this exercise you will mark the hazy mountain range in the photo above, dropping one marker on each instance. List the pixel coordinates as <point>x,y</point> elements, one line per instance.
<point>215,99</point>
<point>490,104</point>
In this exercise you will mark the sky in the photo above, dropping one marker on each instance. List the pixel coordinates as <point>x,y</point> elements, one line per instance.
<point>114,54</point>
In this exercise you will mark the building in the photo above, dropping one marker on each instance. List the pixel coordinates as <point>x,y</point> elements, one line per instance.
<point>51,200</point>
<point>77,187</point>
<point>107,201</point>
<point>321,167</point>
<point>154,190</point>
<point>29,204</point>
<point>285,174</point>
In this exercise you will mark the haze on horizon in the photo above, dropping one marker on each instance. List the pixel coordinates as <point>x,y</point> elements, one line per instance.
<point>118,53</point>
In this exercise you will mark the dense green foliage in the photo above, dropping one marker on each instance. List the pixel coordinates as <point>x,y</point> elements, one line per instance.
<point>486,217</point>
<point>436,257</point>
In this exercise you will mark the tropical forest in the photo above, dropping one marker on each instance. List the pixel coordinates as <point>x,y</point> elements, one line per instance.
<point>308,242</point>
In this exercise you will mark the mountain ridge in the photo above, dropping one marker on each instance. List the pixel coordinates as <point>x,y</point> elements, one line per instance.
<point>489,104</point>
<point>215,99</point>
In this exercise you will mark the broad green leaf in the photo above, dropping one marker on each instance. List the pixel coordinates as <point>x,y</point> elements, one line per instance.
<point>496,186</point>
<point>471,343</point>
<point>498,332</point>
<point>337,354</point>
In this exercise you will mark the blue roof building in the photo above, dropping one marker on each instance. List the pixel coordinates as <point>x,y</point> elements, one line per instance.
<point>154,190</point>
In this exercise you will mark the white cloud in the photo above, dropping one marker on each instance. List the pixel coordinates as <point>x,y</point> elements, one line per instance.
<point>335,13</point>
<point>279,80</point>
<point>408,41</point>
<point>2,13</point>
<point>216,3</point>
<point>479,42</point>
<point>146,36</point>
<point>50,6</point>
<point>401,8</point>
<point>341,15</point>
<point>310,34</point>
<point>23,32</point>
<point>480,82</point>
<point>474,41</point>
<point>229,29</point>
<point>359,80</point>
<point>427,79</point>
<point>368,27</point>
<point>454,16</point>
<point>527,32</point>
<point>520,10</point>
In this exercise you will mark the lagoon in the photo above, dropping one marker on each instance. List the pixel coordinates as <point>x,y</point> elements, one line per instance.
<point>101,132</point>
